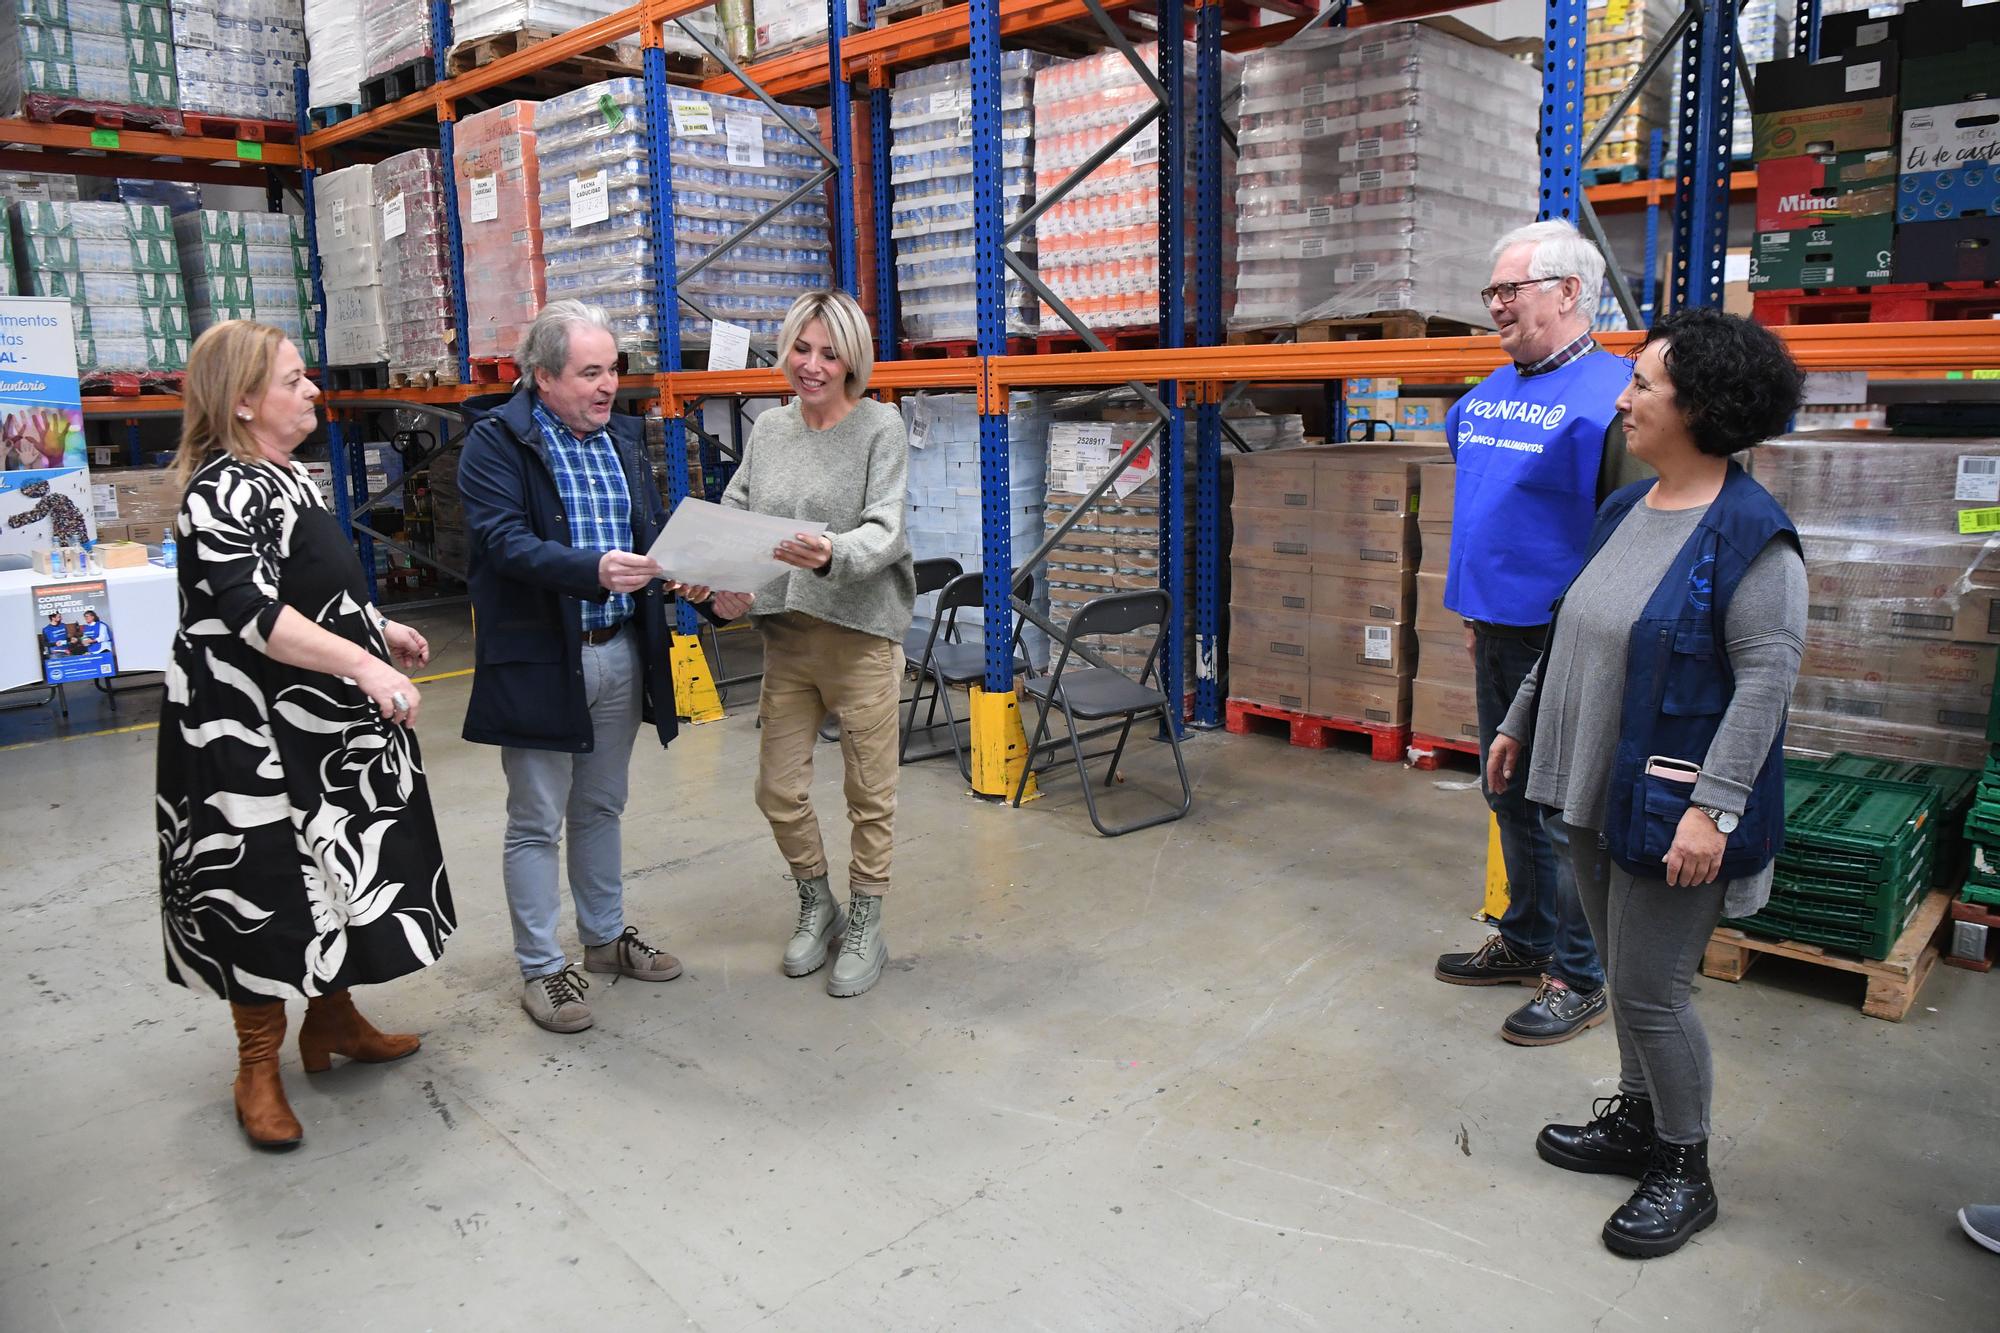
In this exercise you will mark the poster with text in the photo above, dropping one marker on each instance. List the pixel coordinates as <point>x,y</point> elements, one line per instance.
<point>73,631</point>
<point>44,480</point>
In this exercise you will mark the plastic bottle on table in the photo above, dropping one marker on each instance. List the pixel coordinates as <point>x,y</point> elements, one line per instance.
<point>169,553</point>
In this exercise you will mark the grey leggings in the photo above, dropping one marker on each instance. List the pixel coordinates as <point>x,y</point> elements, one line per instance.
<point>1651,936</point>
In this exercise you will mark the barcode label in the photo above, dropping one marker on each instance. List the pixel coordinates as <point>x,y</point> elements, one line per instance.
<point>1978,522</point>
<point>1294,603</point>
<point>1978,479</point>
<point>1312,249</point>
<point>1288,649</point>
<point>1315,127</point>
<point>1853,707</point>
<point>1917,620</point>
<point>1376,643</point>
<point>1319,217</point>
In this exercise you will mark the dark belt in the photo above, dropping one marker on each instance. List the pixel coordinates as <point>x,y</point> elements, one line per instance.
<point>598,637</point>
<point>1532,633</point>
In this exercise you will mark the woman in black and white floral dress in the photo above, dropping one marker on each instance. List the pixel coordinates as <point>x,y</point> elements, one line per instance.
<point>298,853</point>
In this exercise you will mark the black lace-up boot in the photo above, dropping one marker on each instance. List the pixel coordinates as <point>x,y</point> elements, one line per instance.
<point>1675,1199</point>
<point>1617,1142</point>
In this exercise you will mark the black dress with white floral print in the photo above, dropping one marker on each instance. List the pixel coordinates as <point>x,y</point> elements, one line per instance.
<point>298,852</point>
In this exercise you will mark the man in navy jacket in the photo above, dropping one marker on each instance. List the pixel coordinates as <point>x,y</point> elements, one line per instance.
<point>571,645</point>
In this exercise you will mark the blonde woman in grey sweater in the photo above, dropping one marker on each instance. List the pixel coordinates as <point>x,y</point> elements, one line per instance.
<point>833,625</point>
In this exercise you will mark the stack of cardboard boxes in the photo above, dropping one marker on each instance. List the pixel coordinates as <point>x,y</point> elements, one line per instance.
<point>1376,409</point>
<point>1904,621</point>
<point>1444,700</point>
<point>1622,34</point>
<point>1323,581</point>
<point>1948,221</point>
<point>133,504</point>
<point>1825,142</point>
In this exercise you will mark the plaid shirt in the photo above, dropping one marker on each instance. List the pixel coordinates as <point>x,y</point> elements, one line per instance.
<point>1559,358</point>
<point>591,482</point>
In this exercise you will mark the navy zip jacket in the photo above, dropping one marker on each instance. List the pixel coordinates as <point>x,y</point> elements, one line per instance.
<point>528,584</point>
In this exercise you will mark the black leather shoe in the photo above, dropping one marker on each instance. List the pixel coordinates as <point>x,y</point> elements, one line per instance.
<point>1492,964</point>
<point>1675,1199</point>
<point>1617,1142</point>
<point>1556,1014</point>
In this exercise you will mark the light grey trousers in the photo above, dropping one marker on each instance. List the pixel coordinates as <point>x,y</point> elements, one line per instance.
<point>1651,936</point>
<point>551,794</point>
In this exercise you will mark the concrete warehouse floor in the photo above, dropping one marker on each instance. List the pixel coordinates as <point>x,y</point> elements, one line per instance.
<point>1200,1077</point>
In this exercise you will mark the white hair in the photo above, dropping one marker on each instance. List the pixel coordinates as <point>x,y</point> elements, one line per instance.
<point>545,346</point>
<point>1560,252</point>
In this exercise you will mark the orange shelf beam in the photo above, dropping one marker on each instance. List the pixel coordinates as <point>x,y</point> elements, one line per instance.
<point>144,405</point>
<point>1625,196</point>
<point>146,143</point>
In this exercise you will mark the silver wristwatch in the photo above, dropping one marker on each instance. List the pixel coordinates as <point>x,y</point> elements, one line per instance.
<point>1725,823</point>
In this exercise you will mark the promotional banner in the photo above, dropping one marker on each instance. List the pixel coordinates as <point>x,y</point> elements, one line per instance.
<point>73,626</point>
<point>44,483</point>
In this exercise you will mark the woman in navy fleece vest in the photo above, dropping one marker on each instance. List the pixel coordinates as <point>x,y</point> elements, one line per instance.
<point>1657,717</point>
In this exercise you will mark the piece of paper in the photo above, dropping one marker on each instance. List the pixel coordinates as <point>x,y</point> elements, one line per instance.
<point>723,548</point>
<point>746,139</point>
<point>340,217</point>
<point>728,346</point>
<point>1835,386</point>
<point>1377,645</point>
<point>1138,472</point>
<point>392,217</point>
<point>692,117</point>
<point>1862,78</point>
<point>485,198</point>
<point>1978,480</point>
<point>920,421</point>
<point>589,200</point>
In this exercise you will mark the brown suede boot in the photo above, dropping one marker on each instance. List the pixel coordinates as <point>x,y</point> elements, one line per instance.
<point>334,1026</point>
<point>261,1107</point>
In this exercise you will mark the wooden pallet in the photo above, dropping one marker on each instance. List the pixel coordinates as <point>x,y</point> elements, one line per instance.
<point>1893,983</point>
<point>595,65</point>
<point>71,111</point>
<point>324,117</point>
<point>354,379</point>
<point>1979,915</point>
<point>422,379</point>
<point>494,370</point>
<point>1429,753</point>
<point>398,83</point>
<point>1382,324</point>
<point>1893,303</point>
<point>1242,717</point>
<point>202,125</point>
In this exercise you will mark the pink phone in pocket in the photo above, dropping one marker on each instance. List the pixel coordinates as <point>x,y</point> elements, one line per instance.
<point>1673,770</point>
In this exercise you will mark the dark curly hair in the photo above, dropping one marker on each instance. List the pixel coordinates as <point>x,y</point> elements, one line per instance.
<point>1734,380</point>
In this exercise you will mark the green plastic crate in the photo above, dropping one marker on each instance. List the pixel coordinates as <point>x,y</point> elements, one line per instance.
<point>1983,895</point>
<point>1865,932</point>
<point>1855,827</point>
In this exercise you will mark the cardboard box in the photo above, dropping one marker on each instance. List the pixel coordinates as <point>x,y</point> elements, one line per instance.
<point>1822,733</point>
<point>1365,595</point>
<point>1432,618</point>
<point>1364,541</point>
<point>1843,105</point>
<point>1439,495</point>
<point>1275,538</point>
<point>1948,157</point>
<point>119,554</point>
<point>1446,709</point>
<point>1423,413</point>
<point>1961,250</point>
<point>1375,387</point>
<point>1279,479</point>
<point>1941,27</point>
<point>1873,702</point>
<point>1347,647</point>
<point>1369,479</point>
<point>1842,33</point>
<point>1859,252</point>
<point>135,495</point>
<point>1263,588</point>
<point>1362,697</point>
<point>1799,192</point>
<point>1962,670</point>
<point>1263,640</point>
<point>1441,657</point>
<point>1270,685</point>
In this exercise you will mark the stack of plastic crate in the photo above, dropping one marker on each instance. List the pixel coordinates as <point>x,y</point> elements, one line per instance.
<point>1377,167</point>
<point>246,266</point>
<point>1622,34</point>
<point>114,57</point>
<point>416,267</point>
<point>235,57</point>
<point>944,512</point>
<point>1858,860</point>
<point>499,215</point>
<point>348,225</point>
<point>118,265</point>
<point>1982,822</point>
<point>930,175</point>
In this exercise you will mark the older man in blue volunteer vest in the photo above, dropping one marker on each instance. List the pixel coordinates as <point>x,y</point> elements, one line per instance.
<point>1538,446</point>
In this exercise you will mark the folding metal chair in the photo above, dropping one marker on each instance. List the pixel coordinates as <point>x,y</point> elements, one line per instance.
<point>1094,694</point>
<point>944,662</point>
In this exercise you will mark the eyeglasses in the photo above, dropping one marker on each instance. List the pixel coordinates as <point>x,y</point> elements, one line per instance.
<point>1507,291</point>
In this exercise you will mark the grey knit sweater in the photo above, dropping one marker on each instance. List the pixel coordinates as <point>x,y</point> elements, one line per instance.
<point>853,477</point>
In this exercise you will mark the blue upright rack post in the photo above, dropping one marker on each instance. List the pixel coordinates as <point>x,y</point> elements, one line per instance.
<point>888,318</point>
<point>666,304</point>
<point>996,546</point>
<point>1561,131</point>
<point>1655,159</point>
<point>1708,112</point>
<point>1207,135</point>
<point>840,105</point>
<point>1173,333</point>
<point>1805,29</point>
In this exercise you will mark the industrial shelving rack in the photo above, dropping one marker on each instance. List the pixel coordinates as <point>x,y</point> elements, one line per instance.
<point>1187,383</point>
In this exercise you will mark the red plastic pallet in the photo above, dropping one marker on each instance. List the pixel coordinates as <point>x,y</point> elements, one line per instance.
<point>1891,304</point>
<point>203,125</point>
<point>99,115</point>
<point>129,384</point>
<point>494,370</point>
<point>1115,340</point>
<point>946,349</point>
<point>1427,753</point>
<point>1386,744</point>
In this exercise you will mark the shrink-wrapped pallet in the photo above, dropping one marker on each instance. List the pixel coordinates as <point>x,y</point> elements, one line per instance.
<point>118,267</point>
<point>499,210</point>
<point>245,266</point>
<point>348,226</point>
<point>418,320</point>
<point>114,57</point>
<point>235,57</point>
<point>333,47</point>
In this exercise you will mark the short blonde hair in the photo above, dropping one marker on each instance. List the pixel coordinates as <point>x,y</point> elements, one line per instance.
<point>230,362</point>
<point>846,326</point>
